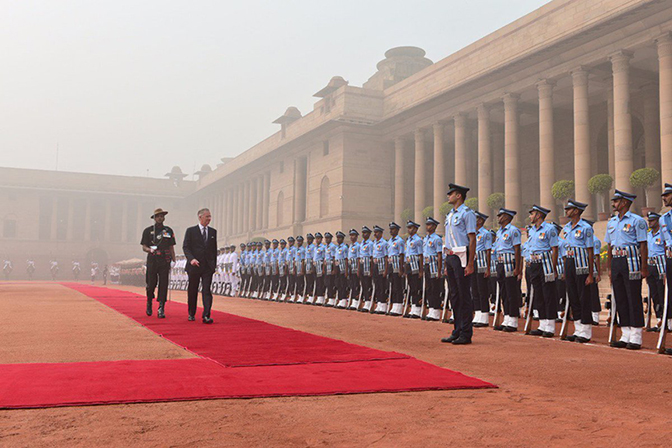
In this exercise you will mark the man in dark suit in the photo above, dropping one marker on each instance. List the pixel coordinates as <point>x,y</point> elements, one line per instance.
<point>200,248</point>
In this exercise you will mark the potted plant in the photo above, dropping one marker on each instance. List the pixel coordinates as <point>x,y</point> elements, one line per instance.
<point>427,212</point>
<point>445,208</point>
<point>599,185</point>
<point>563,190</point>
<point>406,215</point>
<point>472,203</point>
<point>495,201</point>
<point>645,178</point>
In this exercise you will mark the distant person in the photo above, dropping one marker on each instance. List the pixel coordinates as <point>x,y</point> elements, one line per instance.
<point>200,248</point>
<point>105,272</point>
<point>76,269</point>
<point>7,268</point>
<point>30,268</point>
<point>158,240</point>
<point>54,269</point>
<point>94,271</point>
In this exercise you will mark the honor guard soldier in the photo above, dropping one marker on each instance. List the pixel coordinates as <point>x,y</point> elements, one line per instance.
<point>395,269</point>
<point>76,269</point>
<point>319,255</point>
<point>432,245</point>
<point>259,263</point>
<point>480,283</point>
<point>282,270</point>
<point>595,305</point>
<point>414,269</point>
<point>379,271</point>
<point>365,268</point>
<point>509,269</point>
<point>459,253</point>
<point>666,230</point>
<point>274,259</point>
<point>250,261</point>
<point>244,274</point>
<point>542,248</point>
<point>353,270</point>
<point>341,267</point>
<point>7,268</point>
<point>158,241</point>
<point>493,275</point>
<point>656,279</point>
<point>560,283</point>
<point>579,270</point>
<point>266,264</point>
<point>53,268</point>
<point>627,263</point>
<point>236,270</point>
<point>300,266</point>
<point>330,268</point>
<point>309,290</point>
<point>291,269</point>
<point>30,268</point>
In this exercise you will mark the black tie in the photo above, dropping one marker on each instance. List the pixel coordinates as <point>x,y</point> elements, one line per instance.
<point>205,235</point>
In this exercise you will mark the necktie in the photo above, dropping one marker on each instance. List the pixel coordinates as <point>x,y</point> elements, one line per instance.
<point>205,235</point>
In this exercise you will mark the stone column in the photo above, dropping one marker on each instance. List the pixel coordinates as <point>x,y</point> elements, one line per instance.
<point>301,167</point>
<point>512,190</point>
<point>260,187</point>
<point>124,221</point>
<point>498,161</point>
<point>610,134</point>
<point>230,212</point>
<point>484,159</point>
<point>87,220</point>
<point>461,149</point>
<point>241,207</point>
<point>624,165</point>
<point>439,173</point>
<point>234,211</point>
<point>399,185</point>
<point>664,44</point>
<point>419,174</point>
<point>546,146</point>
<point>267,192</point>
<point>581,137</point>
<point>108,220</point>
<point>253,205</point>
<point>53,233</point>
<point>246,207</point>
<point>71,219</point>
<point>651,126</point>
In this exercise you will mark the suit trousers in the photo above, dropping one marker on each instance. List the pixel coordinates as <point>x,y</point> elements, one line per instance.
<point>197,277</point>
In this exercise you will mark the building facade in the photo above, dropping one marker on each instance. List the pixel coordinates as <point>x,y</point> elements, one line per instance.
<point>575,89</point>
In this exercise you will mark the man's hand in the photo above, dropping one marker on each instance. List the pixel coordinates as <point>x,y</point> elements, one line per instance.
<point>589,279</point>
<point>486,274</point>
<point>469,269</point>
<point>195,262</point>
<point>598,277</point>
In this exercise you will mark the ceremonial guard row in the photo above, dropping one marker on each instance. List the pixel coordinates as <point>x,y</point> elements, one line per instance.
<point>472,271</point>
<point>54,269</point>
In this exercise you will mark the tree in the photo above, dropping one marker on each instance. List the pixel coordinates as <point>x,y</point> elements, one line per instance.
<point>644,178</point>
<point>406,215</point>
<point>445,208</point>
<point>563,190</point>
<point>427,212</point>
<point>599,185</point>
<point>472,203</point>
<point>496,201</point>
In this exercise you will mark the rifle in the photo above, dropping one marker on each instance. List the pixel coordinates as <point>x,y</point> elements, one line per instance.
<point>563,328</point>
<point>498,315</point>
<point>373,295</point>
<point>407,294</point>
<point>612,323</point>
<point>663,328</point>
<point>647,315</point>
<point>422,310</point>
<point>530,307</point>
<point>445,301</point>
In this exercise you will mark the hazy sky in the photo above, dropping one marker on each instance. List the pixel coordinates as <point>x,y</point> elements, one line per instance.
<point>135,87</point>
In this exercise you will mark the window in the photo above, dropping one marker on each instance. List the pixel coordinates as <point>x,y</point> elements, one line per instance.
<point>325,147</point>
<point>9,228</point>
<point>282,167</point>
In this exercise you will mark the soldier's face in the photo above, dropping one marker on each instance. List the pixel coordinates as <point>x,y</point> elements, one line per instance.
<point>431,228</point>
<point>453,197</point>
<point>378,234</point>
<point>412,230</point>
<point>504,219</point>
<point>479,222</point>
<point>328,239</point>
<point>299,243</point>
<point>159,219</point>
<point>366,235</point>
<point>394,231</point>
<point>653,223</point>
<point>339,239</point>
<point>353,238</point>
<point>667,200</point>
<point>283,245</point>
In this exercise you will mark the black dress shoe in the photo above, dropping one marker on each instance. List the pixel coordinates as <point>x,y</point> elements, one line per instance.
<point>558,320</point>
<point>668,351</point>
<point>499,328</point>
<point>451,321</point>
<point>450,339</point>
<point>191,318</point>
<point>431,319</point>
<point>161,313</point>
<point>462,340</point>
<point>571,338</point>
<point>618,344</point>
<point>149,307</point>
<point>536,332</point>
<point>207,320</point>
<point>548,334</point>
<point>596,324</point>
<point>582,340</point>
<point>632,346</point>
<point>479,325</point>
<point>510,329</point>
<point>414,316</point>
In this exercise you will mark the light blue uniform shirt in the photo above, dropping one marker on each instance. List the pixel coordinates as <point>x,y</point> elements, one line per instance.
<point>331,251</point>
<point>597,246</point>
<point>380,248</point>
<point>666,227</point>
<point>266,255</point>
<point>275,255</point>
<point>319,253</point>
<point>365,248</point>
<point>310,251</point>
<point>483,240</point>
<point>542,239</point>
<point>507,237</point>
<point>300,253</point>
<point>460,223</point>
<point>524,251</point>
<point>341,251</point>
<point>431,245</point>
<point>291,254</point>
<point>395,246</point>
<point>627,231</point>
<point>655,243</point>
<point>353,250</point>
<point>580,235</point>
<point>413,245</point>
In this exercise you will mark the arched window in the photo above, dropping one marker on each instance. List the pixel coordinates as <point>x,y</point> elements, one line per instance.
<point>280,217</point>
<point>324,197</point>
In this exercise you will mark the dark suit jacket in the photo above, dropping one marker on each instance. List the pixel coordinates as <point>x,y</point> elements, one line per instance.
<point>195,248</point>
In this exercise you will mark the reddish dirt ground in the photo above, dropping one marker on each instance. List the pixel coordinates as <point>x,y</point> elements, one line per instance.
<point>550,392</point>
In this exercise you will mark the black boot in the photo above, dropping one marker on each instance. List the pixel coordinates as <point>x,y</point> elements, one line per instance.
<point>161,313</point>
<point>149,307</point>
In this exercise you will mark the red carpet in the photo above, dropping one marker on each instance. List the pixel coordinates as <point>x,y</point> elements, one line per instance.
<point>264,361</point>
